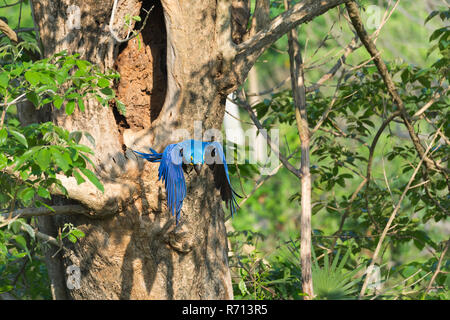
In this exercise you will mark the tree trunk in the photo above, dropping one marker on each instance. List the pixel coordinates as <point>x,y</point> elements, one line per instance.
<point>135,250</point>
<point>176,75</point>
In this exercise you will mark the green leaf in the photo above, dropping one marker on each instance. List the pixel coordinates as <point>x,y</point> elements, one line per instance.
<point>108,92</point>
<point>408,271</point>
<point>83,148</point>
<point>32,77</point>
<point>78,233</point>
<point>57,102</point>
<point>72,238</point>
<point>4,79</point>
<point>44,193</point>
<point>81,104</point>
<point>93,178</point>
<point>103,83</point>
<point>431,16</point>
<point>24,157</point>
<point>243,287</point>
<point>70,107</point>
<point>121,107</point>
<point>437,33</point>
<point>20,137</point>
<point>59,159</point>
<point>20,255</point>
<point>43,159</point>
<point>78,177</point>
<point>41,204</point>
<point>3,136</point>
<point>3,161</point>
<point>62,75</point>
<point>76,136</point>
<point>26,194</point>
<point>73,96</point>
<point>15,225</point>
<point>346,176</point>
<point>83,64</point>
<point>90,138</point>
<point>6,288</point>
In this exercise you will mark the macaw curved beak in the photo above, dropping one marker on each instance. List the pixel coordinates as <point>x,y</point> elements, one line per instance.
<point>198,167</point>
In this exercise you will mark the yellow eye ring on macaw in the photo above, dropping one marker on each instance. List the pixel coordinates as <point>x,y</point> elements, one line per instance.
<point>173,161</point>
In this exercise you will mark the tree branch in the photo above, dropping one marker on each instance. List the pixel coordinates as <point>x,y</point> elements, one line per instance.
<point>47,239</point>
<point>261,17</point>
<point>8,31</point>
<point>240,15</point>
<point>111,22</point>
<point>298,14</point>
<point>10,5</point>
<point>248,51</point>
<point>438,269</point>
<point>392,217</point>
<point>274,148</point>
<point>352,46</point>
<point>299,94</point>
<point>356,21</point>
<point>44,211</point>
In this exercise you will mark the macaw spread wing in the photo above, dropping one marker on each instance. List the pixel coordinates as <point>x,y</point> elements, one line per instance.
<point>171,172</point>
<point>215,158</point>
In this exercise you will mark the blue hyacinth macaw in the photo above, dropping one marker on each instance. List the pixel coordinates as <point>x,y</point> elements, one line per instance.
<point>180,156</point>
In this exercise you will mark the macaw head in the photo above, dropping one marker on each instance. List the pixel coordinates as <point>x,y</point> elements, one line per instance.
<point>193,153</point>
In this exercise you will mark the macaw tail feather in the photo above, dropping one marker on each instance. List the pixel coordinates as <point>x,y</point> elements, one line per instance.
<point>152,157</point>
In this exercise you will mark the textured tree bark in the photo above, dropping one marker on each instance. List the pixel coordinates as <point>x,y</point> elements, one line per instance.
<point>299,94</point>
<point>135,250</point>
<point>178,72</point>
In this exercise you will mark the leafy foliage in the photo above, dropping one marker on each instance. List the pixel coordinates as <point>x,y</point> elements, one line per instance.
<point>348,218</point>
<point>334,282</point>
<point>35,156</point>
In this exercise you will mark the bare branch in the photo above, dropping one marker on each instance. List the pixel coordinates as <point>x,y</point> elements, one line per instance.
<point>429,104</point>
<point>8,31</point>
<point>356,21</point>
<point>10,5</point>
<point>47,239</point>
<point>262,180</point>
<point>44,211</point>
<point>438,269</point>
<point>299,93</point>
<point>298,14</point>
<point>274,148</point>
<point>240,15</point>
<point>392,217</point>
<point>111,22</point>
<point>19,30</point>
<point>260,18</point>
<point>248,51</point>
<point>352,46</point>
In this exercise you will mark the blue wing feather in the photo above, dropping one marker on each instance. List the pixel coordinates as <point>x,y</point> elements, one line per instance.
<point>171,173</point>
<point>152,157</point>
<point>221,176</point>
